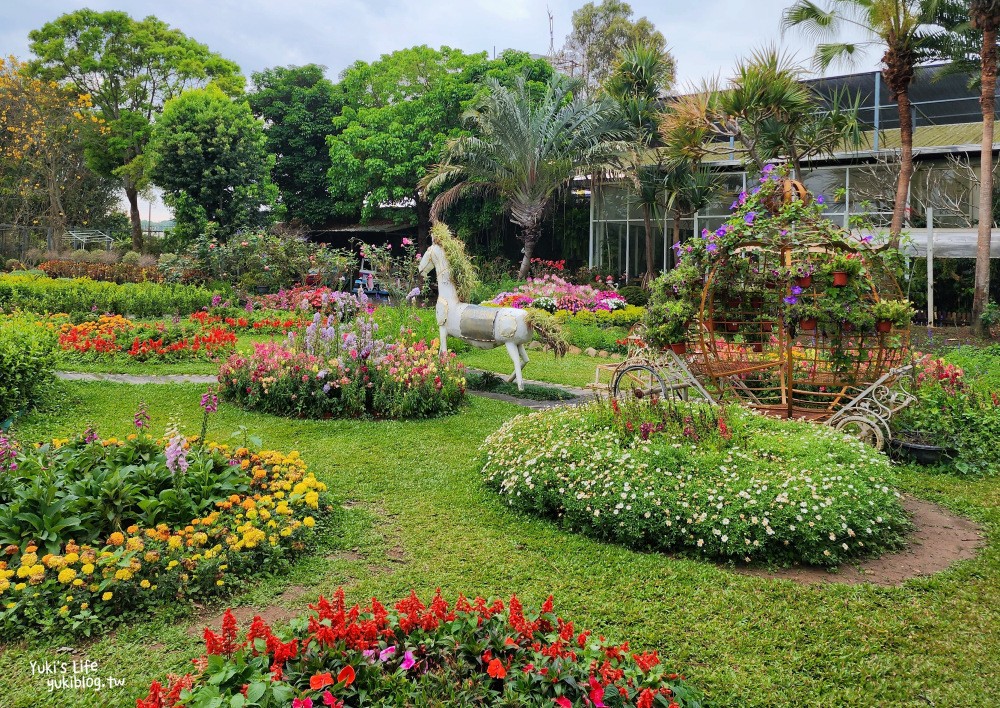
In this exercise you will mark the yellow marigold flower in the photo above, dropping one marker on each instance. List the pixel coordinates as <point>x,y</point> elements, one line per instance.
<point>77,582</point>
<point>87,568</point>
<point>84,605</point>
<point>64,610</point>
<point>309,522</point>
<point>71,558</point>
<point>20,586</point>
<point>132,529</point>
<point>144,584</point>
<point>174,542</point>
<point>312,500</point>
<point>116,539</point>
<point>220,582</point>
<point>107,596</point>
<point>134,544</point>
<point>29,559</point>
<point>123,574</point>
<point>4,584</point>
<point>66,575</point>
<point>172,564</point>
<point>11,605</point>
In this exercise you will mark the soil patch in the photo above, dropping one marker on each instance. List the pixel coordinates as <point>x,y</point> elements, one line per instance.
<point>244,616</point>
<point>938,540</point>
<point>352,555</point>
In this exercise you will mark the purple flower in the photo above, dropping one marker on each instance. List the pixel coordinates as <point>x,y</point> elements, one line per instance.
<point>767,169</point>
<point>750,217</point>
<point>408,661</point>
<point>210,401</point>
<point>820,199</point>
<point>721,231</point>
<point>176,455</point>
<point>742,198</point>
<point>796,290</point>
<point>89,435</point>
<point>249,306</point>
<point>216,300</point>
<point>141,418</point>
<point>867,238</point>
<point>790,300</point>
<point>386,653</point>
<point>712,247</point>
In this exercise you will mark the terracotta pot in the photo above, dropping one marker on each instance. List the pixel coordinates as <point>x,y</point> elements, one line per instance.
<point>839,279</point>
<point>883,326</point>
<point>808,323</point>
<point>312,279</point>
<point>767,326</point>
<point>846,327</point>
<point>771,284</point>
<point>679,348</point>
<point>733,302</point>
<point>758,347</point>
<point>804,281</point>
<point>733,326</point>
<point>757,302</point>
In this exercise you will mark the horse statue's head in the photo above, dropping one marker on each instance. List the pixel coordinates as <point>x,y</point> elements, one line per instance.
<point>431,259</point>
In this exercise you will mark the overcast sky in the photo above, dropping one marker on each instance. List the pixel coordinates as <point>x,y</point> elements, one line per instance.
<point>705,37</point>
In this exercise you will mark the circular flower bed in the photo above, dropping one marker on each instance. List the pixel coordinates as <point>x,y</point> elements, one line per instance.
<point>333,369</point>
<point>715,482</point>
<point>468,654</point>
<point>96,529</point>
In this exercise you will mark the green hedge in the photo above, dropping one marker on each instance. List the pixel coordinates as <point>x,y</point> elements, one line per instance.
<point>42,294</point>
<point>27,362</point>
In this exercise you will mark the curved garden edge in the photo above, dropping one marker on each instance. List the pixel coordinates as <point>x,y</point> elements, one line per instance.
<point>939,539</point>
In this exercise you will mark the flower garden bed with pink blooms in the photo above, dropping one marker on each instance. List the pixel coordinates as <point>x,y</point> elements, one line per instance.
<point>552,293</point>
<point>334,368</point>
<point>475,653</point>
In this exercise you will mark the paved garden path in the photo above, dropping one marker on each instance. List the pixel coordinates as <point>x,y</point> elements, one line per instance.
<point>581,394</point>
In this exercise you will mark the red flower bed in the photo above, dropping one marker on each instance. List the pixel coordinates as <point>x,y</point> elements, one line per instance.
<point>111,335</point>
<point>475,653</point>
<point>262,325</point>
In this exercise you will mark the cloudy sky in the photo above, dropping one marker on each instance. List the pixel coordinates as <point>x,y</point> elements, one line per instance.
<point>705,37</point>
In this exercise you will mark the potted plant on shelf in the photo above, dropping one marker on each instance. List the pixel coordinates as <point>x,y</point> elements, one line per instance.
<point>843,267</point>
<point>890,313</point>
<point>802,273</point>
<point>667,324</point>
<point>802,312</point>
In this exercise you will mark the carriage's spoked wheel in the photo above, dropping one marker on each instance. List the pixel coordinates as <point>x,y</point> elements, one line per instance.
<point>638,381</point>
<point>863,429</point>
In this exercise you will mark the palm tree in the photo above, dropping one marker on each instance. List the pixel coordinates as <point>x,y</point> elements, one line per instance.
<point>985,16</point>
<point>636,85</point>
<point>525,148</point>
<point>897,27</point>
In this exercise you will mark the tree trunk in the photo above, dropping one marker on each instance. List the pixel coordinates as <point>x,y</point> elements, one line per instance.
<point>986,101</point>
<point>423,208</point>
<point>905,167</point>
<point>650,266</point>
<point>132,194</point>
<point>530,238</point>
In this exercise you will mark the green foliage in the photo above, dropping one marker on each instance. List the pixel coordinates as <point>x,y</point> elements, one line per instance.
<point>634,295</point>
<point>298,105</point>
<point>27,363</point>
<point>491,382</point>
<point>42,294</point>
<point>208,153</point>
<point>899,312</point>
<point>709,482</point>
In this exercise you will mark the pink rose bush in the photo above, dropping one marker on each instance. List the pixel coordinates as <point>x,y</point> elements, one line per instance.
<point>552,293</point>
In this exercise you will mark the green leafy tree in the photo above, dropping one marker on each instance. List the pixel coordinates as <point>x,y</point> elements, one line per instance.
<point>525,148</point>
<point>600,33</point>
<point>637,85</point>
<point>298,106</point>
<point>398,114</point>
<point>208,153</point>
<point>129,68</point>
<point>897,28</point>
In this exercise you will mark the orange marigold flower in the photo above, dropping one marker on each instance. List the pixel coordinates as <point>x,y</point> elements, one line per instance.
<point>116,539</point>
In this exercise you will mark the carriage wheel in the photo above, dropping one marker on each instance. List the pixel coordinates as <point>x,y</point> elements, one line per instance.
<point>638,381</point>
<point>863,429</point>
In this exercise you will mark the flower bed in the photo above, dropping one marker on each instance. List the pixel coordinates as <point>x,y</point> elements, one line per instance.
<point>310,299</point>
<point>475,653</point>
<point>111,335</point>
<point>721,483</point>
<point>97,529</point>
<point>257,321</point>
<point>334,369</point>
<point>552,293</point>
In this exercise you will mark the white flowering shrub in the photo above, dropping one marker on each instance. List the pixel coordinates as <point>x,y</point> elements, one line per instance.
<point>723,483</point>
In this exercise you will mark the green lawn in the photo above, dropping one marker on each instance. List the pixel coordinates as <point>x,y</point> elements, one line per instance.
<point>414,490</point>
<point>570,370</point>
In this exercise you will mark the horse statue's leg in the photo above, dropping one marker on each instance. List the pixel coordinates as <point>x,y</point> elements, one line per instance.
<point>524,355</point>
<point>515,356</point>
<point>443,346</point>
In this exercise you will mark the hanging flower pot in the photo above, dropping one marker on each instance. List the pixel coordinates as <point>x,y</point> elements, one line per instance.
<point>883,326</point>
<point>679,348</point>
<point>839,279</point>
<point>733,302</point>
<point>771,284</point>
<point>846,327</point>
<point>733,326</point>
<point>808,323</point>
<point>758,347</point>
<point>804,281</point>
<point>757,302</point>
<point>767,326</point>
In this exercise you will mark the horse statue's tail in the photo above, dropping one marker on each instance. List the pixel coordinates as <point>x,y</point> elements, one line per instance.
<point>549,331</point>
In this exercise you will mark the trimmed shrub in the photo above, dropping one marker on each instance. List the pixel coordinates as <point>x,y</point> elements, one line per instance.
<point>714,482</point>
<point>634,295</point>
<point>27,363</point>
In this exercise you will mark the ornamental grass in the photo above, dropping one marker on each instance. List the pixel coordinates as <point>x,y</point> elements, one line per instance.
<point>721,483</point>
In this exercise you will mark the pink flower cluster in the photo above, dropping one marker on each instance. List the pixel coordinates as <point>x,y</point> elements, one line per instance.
<point>554,293</point>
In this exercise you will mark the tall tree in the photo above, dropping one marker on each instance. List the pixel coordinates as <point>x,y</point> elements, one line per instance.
<point>129,68</point>
<point>298,105</point>
<point>897,27</point>
<point>398,113</point>
<point>207,152</point>
<point>42,126</point>
<point>600,33</point>
<point>525,148</point>
<point>637,85</point>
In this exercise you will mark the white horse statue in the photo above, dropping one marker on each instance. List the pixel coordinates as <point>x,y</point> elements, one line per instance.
<point>482,327</point>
